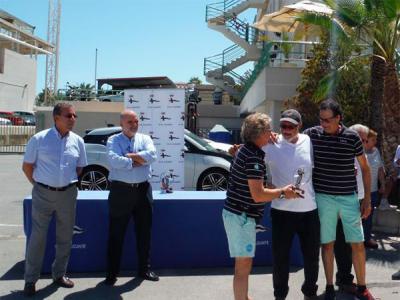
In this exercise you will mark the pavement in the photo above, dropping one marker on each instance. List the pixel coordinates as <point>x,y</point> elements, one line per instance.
<point>178,284</point>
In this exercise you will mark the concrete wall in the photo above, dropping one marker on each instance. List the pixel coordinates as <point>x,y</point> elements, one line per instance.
<point>100,114</point>
<point>90,115</point>
<point>225,114</point>
<point>271,88</point>
<point>17,81</point>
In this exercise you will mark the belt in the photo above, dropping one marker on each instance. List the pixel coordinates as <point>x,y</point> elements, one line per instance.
<point>132,185</point>
<point>56,189</point>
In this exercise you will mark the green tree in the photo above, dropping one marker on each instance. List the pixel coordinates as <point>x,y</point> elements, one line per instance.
<point>376,23</point>
<point>195,80</point>
<point>82,92</point>
<point>39,100</point>
<point>350,89</point>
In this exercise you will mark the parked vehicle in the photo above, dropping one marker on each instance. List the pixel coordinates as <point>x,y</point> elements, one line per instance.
<point>206,168</point>
<point>15,120</point>
<point>4,121</point>
<point>217,145</point>
<point>28,117</point>
<point>118,97</point>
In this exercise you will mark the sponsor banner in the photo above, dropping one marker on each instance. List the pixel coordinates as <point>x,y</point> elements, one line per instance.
<point>161,115</point>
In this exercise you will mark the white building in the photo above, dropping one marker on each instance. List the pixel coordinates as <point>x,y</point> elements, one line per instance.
<point>18,67</point>
<point>274,78</point>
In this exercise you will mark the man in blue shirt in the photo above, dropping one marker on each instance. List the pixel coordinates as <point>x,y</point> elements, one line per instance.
<point>130,155</point>
<point>53,160</point>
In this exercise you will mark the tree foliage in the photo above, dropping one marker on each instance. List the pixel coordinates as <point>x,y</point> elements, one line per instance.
<point>320,79</point>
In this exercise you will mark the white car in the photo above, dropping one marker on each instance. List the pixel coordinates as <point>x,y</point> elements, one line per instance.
<point>4,121</point>
<point>217,145</point>
<point>206,168</point>
<point>118,97</point>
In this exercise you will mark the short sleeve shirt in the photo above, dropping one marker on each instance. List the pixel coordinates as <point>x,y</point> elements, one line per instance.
<point>247,164</point>
<point>334,170</point>
<point>55,158</point>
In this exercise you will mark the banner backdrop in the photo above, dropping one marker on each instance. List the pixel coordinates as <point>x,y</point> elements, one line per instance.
<point>161,115</point>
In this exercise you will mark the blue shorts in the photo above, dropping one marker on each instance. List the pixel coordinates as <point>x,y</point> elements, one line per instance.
<point>345,207</point>
<point>241,233</point>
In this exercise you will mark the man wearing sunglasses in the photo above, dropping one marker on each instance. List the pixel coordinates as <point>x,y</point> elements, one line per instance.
<point>53,160</point>
<point>289,161</point>
<point>335,147</point>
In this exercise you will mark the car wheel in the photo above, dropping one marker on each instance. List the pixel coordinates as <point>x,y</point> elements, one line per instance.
<point>93,179</point>
<point>213,180</point>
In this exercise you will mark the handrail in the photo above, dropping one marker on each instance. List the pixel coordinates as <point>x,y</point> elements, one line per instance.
<point>220,61</point>
<point>277,54</point>
<point>232,22</point>
<point>259,66</point>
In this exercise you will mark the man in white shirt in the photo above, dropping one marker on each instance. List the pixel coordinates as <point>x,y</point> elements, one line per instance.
<point>290,161</point>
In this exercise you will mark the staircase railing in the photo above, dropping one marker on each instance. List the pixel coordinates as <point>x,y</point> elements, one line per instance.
<point>233,23</point>
<point>222,6</point>
<point>220,61</point>
<point>259,66</point>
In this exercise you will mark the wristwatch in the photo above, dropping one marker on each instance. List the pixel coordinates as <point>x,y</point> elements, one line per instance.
<point>282,195</point>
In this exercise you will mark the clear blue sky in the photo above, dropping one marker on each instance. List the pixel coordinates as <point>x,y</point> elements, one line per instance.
<point>134,37</point>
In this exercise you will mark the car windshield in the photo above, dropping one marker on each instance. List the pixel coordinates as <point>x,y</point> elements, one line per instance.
<point>199,141</point>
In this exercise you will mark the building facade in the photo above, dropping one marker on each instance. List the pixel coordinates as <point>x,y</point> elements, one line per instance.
<point>19,48</point>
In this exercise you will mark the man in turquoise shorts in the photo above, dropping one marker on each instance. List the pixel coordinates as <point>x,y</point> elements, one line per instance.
<point>335,147</point>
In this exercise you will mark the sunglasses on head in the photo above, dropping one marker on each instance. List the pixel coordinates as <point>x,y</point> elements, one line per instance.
<point>70,116</point>
<point>287,126</point>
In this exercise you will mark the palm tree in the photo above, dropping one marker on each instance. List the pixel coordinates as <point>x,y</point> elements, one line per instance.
<point>376,23</point>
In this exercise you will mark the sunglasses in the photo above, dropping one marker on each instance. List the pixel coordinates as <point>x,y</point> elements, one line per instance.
<point>290,127</point>
<point>326,120</point>
<point>70,116</point>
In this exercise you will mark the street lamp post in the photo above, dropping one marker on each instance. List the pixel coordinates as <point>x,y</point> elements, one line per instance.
<point>95,72</point>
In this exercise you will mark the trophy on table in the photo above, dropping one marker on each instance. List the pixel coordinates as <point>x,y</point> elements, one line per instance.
<point>166,181</point>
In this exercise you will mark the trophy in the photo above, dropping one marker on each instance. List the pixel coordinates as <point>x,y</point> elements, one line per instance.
<point>298,177</point>
<point>166,181</point>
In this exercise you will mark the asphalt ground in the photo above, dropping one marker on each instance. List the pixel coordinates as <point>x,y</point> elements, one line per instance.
<point>210,284</point>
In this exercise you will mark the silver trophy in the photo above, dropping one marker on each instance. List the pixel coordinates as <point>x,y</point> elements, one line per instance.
<point>298,177</point>
<point>166,181</point>
<point>298,180</point>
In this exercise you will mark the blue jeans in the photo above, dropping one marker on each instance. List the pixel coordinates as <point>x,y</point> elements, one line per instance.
<point>367,223</point>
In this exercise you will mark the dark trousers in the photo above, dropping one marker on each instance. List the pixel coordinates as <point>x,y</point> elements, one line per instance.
<point>285,225</point>
<point>367,223</point>
<point>126,202</point>
<point>343,257</point>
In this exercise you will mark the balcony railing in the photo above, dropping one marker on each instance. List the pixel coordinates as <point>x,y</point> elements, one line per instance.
<point>280,54</point>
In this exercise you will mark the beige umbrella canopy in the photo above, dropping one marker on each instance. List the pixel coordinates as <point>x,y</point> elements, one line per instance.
<point>284,20</point>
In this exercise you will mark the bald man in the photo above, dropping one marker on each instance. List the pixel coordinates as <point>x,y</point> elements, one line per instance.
<point>130,155</point>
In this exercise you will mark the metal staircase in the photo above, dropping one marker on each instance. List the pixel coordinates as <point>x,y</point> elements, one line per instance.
<point>223,17</point>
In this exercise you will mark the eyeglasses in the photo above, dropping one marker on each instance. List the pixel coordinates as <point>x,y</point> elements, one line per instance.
<point>326,120</point>
<point>70,116</point>
<point>289,127</point>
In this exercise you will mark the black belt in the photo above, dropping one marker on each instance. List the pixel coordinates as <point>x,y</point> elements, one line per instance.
<point>132,185</point>
<point>56,189</point>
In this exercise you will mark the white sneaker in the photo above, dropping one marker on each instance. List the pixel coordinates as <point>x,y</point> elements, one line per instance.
<point>384,204</point>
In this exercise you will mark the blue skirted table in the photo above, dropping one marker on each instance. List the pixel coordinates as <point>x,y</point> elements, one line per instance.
<point>188,232</point>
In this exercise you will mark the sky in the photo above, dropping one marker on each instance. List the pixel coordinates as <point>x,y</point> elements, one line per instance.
<point>134,38</point>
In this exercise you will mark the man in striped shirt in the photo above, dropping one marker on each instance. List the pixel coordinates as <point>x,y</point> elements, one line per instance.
<point>335,147</point>
<point>246,197</point>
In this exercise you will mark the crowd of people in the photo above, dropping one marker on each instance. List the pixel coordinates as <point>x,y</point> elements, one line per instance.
<point>337,175</point>
<point>323,184</point>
